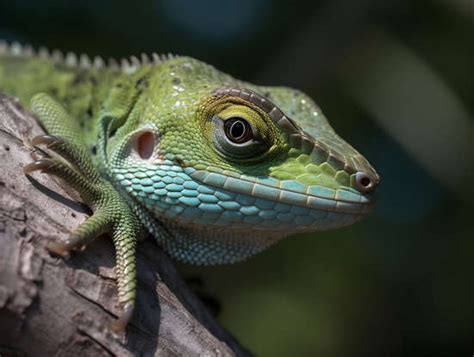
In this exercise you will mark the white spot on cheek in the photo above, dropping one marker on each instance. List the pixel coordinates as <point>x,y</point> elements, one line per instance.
<point>177,90</point>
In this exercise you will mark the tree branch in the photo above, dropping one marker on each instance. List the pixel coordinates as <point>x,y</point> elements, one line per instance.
<point>52,306</point>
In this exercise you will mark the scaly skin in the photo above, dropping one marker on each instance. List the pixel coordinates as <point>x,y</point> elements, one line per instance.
<point>216,169</point>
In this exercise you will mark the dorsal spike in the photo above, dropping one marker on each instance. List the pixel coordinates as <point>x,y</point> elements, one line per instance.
<point>57,56</point>
<point>43,53</point>
<point>135,61</point>
<point>3,47</point>
<point>28,51</point>
<point>156,58</point>
<point>98,62</point>
<point>113,64</point>
<point>16,49</point>
<point>71,59</point>
<point>124,65</point>
<point>84,61</point>
<point>144,58</point>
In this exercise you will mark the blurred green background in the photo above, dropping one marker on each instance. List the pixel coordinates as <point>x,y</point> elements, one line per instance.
<point>396,80</point>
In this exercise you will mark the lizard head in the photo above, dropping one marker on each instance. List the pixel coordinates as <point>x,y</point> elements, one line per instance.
<point>232,167</point>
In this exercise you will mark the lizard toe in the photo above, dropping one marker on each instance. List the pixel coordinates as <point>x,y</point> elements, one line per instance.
<point>121,323</point>
<point>39,165</point>
<point>48,140</point>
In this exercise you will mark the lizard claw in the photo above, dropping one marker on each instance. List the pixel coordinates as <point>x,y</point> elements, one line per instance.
<point>42,164</point>
<point>75,241</point>
<point>58,248</point>
<point>47,140</point>
<point>127,312</point>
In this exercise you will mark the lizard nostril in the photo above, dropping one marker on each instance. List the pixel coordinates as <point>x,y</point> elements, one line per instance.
<point>364,182</point>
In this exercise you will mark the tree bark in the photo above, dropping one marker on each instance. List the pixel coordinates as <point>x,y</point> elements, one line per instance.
<point>52,306</point>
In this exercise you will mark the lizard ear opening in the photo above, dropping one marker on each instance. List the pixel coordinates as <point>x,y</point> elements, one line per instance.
<point>145,144</point>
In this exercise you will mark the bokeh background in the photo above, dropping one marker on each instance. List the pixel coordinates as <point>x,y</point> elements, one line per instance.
<point>395,79</point>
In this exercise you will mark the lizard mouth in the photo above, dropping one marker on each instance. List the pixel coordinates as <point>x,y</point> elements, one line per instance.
<point>226,199</point>
<point>342,200</point>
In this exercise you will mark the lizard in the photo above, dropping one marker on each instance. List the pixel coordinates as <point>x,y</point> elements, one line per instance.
<point>214,168</point>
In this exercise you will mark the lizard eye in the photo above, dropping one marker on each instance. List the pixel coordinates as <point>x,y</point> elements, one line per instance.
<point>238,130</point>
<point>235,137</point>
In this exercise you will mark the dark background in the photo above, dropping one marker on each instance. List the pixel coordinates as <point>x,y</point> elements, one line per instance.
<point>396,80</point>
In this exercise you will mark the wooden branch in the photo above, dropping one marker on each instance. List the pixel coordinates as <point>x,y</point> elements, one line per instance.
<point>51,306</point>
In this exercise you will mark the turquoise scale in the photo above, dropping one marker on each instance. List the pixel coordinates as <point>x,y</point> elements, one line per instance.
<point>171,192</point>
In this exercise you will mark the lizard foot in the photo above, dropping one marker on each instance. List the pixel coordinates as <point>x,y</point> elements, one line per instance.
<point>111,213</point>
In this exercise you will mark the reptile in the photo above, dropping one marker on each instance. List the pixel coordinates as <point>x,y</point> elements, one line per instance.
<point>214,168</point>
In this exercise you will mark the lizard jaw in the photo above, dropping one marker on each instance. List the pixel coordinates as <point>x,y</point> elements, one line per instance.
<point>198,199</point>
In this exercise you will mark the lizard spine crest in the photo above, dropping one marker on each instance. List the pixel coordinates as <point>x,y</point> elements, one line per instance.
<point>82,61</point>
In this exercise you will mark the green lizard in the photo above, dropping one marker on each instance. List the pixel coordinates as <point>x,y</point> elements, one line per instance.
<point>214,168</point>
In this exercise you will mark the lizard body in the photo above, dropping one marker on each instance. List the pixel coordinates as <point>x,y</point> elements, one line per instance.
<point>216,169</point>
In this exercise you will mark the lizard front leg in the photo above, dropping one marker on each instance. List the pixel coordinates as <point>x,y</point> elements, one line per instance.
<point>111,213</point>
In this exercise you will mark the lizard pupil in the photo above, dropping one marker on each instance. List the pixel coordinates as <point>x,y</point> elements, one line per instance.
<point>238,130</point>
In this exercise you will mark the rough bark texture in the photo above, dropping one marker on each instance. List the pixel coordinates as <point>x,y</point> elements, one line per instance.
<point>51,306</point>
